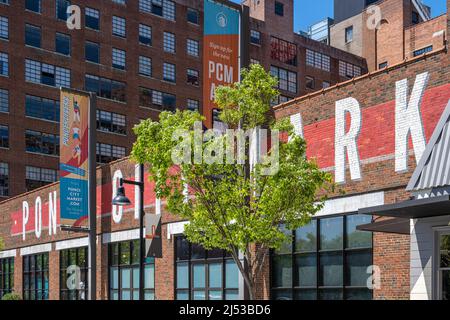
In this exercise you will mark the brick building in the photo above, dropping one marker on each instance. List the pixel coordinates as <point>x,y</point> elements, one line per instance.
<point>402,31</point>
<point>370,132</point>
<point>140,57</point>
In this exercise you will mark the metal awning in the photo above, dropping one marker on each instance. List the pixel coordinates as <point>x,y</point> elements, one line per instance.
<point>390,225</point>
<point>412,209</point>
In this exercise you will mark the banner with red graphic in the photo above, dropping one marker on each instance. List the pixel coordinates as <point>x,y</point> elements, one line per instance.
<point>74,157</point>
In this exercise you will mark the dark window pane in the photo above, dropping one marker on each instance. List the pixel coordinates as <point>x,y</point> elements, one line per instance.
<point>445,251</point>
<point>306,294</point>
<point>445,285</point>
<point>32,36</point>
<point>125,253</point>
<point>331,294</point>
<point>286,247</point>
<point>62,44</point>
<point>306,270</point>
<point>358,294</point>
<point>198,252</point>
<point>306,237</point>
<point>357,263</point>
<point>331,269</point>
<point>33,5</point>
<point>356,238</point>
<point>182,248</point>
<point>282,271</point>
<point>282,295</point>
<point>331,232</point>
<point>92,52</point>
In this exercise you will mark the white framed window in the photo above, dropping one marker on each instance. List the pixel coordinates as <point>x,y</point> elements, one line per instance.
<point>287,80</point>
<point>192,105</point>
<point>4,28</point>
<point>169,72</point>
<point>47,74</point>
<point>119,26</point>
<point>4,64</point>
<point>162,8</point>
<point>92,18</point>
<point>192,77</point>
<point>349,34</point>
<point>4,179</point>
<point>4,100</point>
<point>192,47</point>
<point>145,66</point>
<point>318,60</point>
<point>169,42</point>
<point>118,59</point>
<point>145,35</point>
<point>349,70</point>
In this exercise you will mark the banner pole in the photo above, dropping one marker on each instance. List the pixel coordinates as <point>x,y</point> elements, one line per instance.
<point>92,250</point>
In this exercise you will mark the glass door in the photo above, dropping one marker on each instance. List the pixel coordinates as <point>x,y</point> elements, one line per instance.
<point>444,266</point>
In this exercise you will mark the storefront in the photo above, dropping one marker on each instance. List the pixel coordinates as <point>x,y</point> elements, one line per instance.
<point>428,213</point>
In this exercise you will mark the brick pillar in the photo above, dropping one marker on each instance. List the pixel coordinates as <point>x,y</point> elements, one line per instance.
<point>53,276</point>
<point>18,271</point>
<point>102,270</point>
<point>165,270</point>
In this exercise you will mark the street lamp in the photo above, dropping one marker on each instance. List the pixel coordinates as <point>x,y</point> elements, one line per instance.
<point>121,200</point>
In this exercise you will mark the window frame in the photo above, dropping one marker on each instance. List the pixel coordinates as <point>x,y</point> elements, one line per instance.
<point>37,275</point>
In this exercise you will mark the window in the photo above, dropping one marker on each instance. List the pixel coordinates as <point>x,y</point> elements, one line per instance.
<point>192,47</point>
<point>123,2</point>
<point>192,16</point>
<point>162,8</point>
<point>326,260</point>
<point>204,274</point>
<point>423,51</point>
<point>310,82</point>
<point>145,35</point>
<point>111,122</point>
<point>383,65</point>
<point>255,37</point>
<point>278,100</point>
<point>62,44</point>
<point>6,271</point>
<point>325,84</point>
<point>68,261</point>
<point>169,42</point>
<point>47,74</point>
<point>32,36</point>
<point>40,142</point>
<point>106,88</point>
<point>348,70</point>
<point>4,100</point>
<point>4,179</point>
<point>317,60</point>
<point>35,277</point>
<point>61,9</point>
<point>192,105</point>
<point>118,59</point>
<point>118,26</point>
<point>4,136</point>
<point>145,66</point>
<point>107,153</point>
<point>4,2</point>
<point>4,28</point>
<point>287,80</point>
<point>124,272</point>
<point>283,51</point>
<point>169,72</point>
<point>192,76</point>
<point>33,5</point>
<point>279,8</point>
<point>42,108</point>
<point>444,266</point>
<point>349,34</point>
<point>92,18</point>
<point>157,100</point>
<point>4,64</point>
<point>39,177</point>
<point>254,61</point>
<point>415,17</point>
<point>92,52</point>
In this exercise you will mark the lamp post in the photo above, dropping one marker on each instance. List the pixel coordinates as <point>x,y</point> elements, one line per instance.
<point>121,200</point>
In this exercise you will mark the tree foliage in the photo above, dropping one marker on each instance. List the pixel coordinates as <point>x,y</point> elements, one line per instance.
<point>234,207</point>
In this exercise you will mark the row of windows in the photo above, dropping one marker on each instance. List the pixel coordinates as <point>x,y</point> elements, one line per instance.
<point>154,99</point>
<point>326,259</point>
<point>317,60</point>
<point>39,177</point>
<point>349,70</point>
<point>4,179</point>
<point>283,51</point>
<point>107,152</point>
<point>47,74</point>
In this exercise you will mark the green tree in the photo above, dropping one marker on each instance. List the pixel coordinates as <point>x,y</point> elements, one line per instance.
<point>2,244</point>
<point>235,207</point>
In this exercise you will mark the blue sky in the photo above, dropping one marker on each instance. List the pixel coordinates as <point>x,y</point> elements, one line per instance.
<point>308,12</point>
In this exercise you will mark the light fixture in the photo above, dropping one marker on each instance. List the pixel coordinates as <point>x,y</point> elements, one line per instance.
<point>121,199</point>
